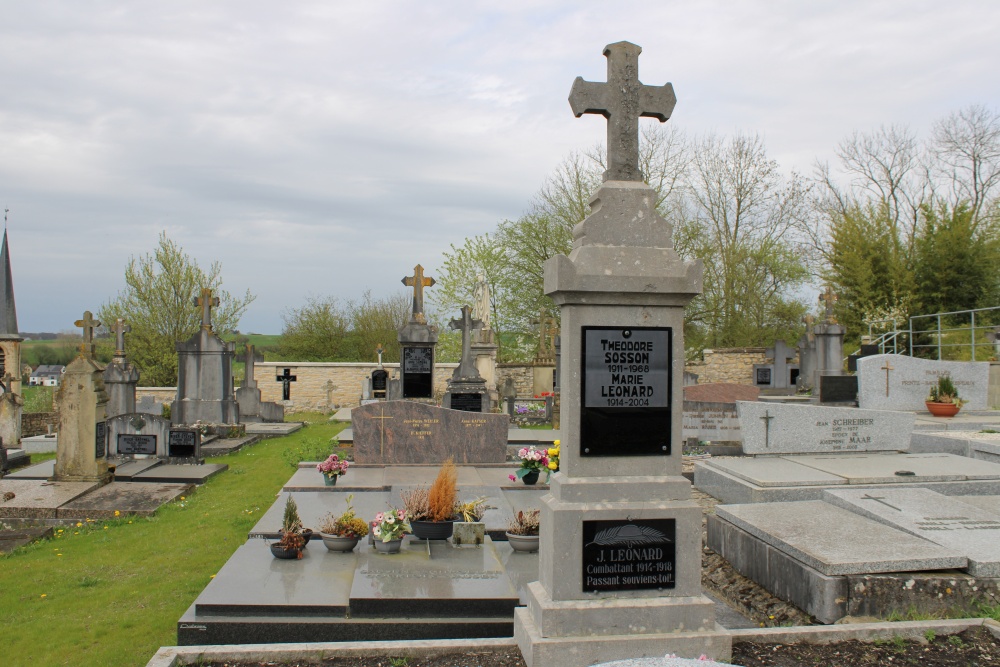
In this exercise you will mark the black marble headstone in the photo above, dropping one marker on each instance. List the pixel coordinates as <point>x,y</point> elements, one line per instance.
<point>380,379</point>
<point>467,402</point>
<point>629,555</point>
<point>838,388</point>
<point>183,443</point>
<point>418,372</point>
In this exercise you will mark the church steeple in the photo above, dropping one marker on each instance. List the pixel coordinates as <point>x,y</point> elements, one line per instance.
<point>8,313</point>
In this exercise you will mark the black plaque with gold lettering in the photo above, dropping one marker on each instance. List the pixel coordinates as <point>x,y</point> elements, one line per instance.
<point>626,387</point>
<point>628,555</point>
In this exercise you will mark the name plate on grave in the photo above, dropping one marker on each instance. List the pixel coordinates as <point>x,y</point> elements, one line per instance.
<point>629,555</point>
<point>136,444</point>
<point>417,359</point>
<point>626,391</point>
<point>182,443</point>
<point>467,402</point>
<point>101,440</point>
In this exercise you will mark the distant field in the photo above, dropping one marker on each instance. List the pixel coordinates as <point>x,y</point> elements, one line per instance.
<point>53,352</point>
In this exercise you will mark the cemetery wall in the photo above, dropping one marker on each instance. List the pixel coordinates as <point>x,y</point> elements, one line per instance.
<point>523,374</point>
<point>734,365</point>
<point>993,399</point>
<point>36,423</point>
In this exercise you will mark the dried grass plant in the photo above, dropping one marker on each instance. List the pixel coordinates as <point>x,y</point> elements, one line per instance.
<point>443,492</point>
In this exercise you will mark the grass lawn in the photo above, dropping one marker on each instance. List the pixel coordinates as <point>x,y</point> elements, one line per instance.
<point>111,592</point>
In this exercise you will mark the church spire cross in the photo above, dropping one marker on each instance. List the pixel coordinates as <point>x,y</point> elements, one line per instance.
<point>206,301</point>
<point>418,282</point>
<point>88,324</point>
<point>119,330</point>
<point>622,100</point>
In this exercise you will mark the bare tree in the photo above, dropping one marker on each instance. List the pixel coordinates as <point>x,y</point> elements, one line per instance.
<point>966,145</point>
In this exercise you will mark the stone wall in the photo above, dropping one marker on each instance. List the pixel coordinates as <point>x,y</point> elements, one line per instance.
<point>37,423</point>
<point>734,364</point>
<point>523,374</point>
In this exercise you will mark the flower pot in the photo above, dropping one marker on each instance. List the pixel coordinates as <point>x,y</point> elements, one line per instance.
<point>469,532</point>
<point>942,409</point>
<point>523,543</point>
<point>338,543</point>
<point>432,530</point>
<point>330,480</point>
<point>530,478</point>
<point>307,534</point>
<point>279,551</point>
<point>391,547</point>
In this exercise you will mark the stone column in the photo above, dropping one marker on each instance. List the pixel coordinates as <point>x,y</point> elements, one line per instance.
<point>829,351</point>
<point>82,447</point>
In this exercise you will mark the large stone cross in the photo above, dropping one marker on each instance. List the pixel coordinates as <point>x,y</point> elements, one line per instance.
<point>249,357</point>
<point>829,298</point>
<point>119,330</point>
<point>622,100</point>
<point>418,282</point>
<point>206,301</point>
<point>88,324</point>
<point>466,368</point>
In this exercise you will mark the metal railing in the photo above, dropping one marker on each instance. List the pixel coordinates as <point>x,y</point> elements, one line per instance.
<point>942,335</point>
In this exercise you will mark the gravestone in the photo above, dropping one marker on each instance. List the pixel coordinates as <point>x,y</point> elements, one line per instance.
<point>417,340</point>
<point>11,408</point>
<point>286,379</point>
<point>466,387</point>
<point>394,432</point>
<point>620,548</point>
<point>140,434</point>
<point>829,337</point>
<point>184,443</point>
<point>898,382</point>
<point>120,376</point>
<point>205,375</point>
<point>380,383</point>
<point>779,374</point>
<point>149,405</point>
<point>710,411</point>
<point>543,367</point>
<point>484,345</point>
<point>252,409</point>
<point>780,428</point>
<point>866,350</point>
<point>838,389</point>
<point>807,356</point>
<point>81,452</point>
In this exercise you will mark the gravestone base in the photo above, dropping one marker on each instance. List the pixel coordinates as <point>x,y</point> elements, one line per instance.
<point>468,396</point>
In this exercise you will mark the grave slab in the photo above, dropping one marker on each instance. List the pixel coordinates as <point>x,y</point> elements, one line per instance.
<point>124,472</point>
<point>222,446</point>
<point>425,475</point>
<point>124,497</point>
<point>892,468</point>
<point>779,428</point>
<point>835,541</point>
<point>12,539</point>
<point>907,381</point>
<point>776,471</point>
<point>272,429</point>
<point>39,444</point>
<point>956,526</point>
<point>356,479</point>
<point>313,506</point>
<point>988,503</point>
<point>43,471</point>
<point>37,499</point>
<point>180,474</point>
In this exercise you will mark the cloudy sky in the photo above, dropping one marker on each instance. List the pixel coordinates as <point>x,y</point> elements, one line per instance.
<point>321,148</point>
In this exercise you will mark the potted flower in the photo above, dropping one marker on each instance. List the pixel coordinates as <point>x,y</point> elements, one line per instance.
<point>553,453</point>
<point>434,518</point>
<point>522,532</point>
<point>388,530</point>
<point>943,400</point>
<point>332,468</point>
<point>533,462</point>
<point>471,529</point>
<point>343,532</point>
<point>292,540</point>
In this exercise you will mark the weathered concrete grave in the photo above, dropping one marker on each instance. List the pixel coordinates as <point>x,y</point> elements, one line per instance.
<point>392,432</point>
<point>898,382</point>
<point>710,411</point>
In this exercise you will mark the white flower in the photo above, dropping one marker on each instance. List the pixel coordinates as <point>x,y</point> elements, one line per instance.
<point>377,532</point>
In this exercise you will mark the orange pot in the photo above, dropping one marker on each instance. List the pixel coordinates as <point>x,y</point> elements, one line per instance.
<point>942,409</point>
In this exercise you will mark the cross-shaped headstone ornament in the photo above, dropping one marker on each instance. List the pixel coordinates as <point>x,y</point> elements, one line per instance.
<point>829,298</point>
<point>418,282</point>
<point>119,329</point>
<point>622,100</point>
<point>88,324</point>
<point>379,350</point>
<point>466,324</point>
<point>206,301</point>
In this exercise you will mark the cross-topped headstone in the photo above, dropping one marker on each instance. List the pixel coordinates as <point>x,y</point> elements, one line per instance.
<point>88,324</point>
<point>329,386</point>
<point>206,301</point>
<point>622,100</point>
<point>249,357</point>
<point>286,379</point>
<point>418,282</point>
<point>781,354</point>
<point>466,368</point>
<point>829,298</point>
<point>119,329</point>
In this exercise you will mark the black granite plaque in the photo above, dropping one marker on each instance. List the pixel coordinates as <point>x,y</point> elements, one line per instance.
<point>183,443</point>
<point>380,379</point>
<point>838,388</point>
<point>628,555</point>
<point>136,444</point>
<point>467,402</point>
<point>626,391</point>
<point>418,372</point>
<point>101,440</point>
<point>762,377</point>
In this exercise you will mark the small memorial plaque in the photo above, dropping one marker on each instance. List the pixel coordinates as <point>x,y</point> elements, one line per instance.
<point>417,359</point>
<point>136,444</point>
<point>762,377</point>
<point>101,440</point>
<point>628,555</point>
<point>380,379</point>
<point>467,402</point>
<point>182,443</point>
<point>626,391</point>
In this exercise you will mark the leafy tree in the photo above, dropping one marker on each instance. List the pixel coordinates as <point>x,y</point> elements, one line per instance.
<point>315,332</point>
<point>158,304</point>
<point>375,321</point>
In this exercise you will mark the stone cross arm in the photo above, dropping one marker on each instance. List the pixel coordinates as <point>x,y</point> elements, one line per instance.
<point>206,301</point>
<point>418,282</point>
<point>88,324</point>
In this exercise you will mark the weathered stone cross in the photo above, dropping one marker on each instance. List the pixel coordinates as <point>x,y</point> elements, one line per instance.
<point>767,427</point>
<point>206,301</point>
<point>888,367</point>
<point>622,100</point>
<point>418,283</point>
<point>330,386</point>
<point>249,358</point>
<point>829,298</point>
<point>119,330</point>
<point>880,500</point>
<point>88,324</point>
<point>466,368</point>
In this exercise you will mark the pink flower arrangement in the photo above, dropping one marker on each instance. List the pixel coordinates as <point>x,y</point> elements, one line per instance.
<point>532,460</point>
<point>333,466</point>
<point>390,525</point>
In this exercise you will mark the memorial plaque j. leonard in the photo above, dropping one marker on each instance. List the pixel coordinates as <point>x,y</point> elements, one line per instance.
<point>136,444</point>
<point>629,555</point>
<point>418,369</point>
<point>101,440</point>
<point>626,391</point>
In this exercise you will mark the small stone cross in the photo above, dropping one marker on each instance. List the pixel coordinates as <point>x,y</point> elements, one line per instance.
<point>120,329</point>
<point>330,386</point>
<point>378,350</point>
<point>767,427</point>
<point>249,357</point>
<point>206,301</point>
<point>286,378</point>
<point>622,100</point>
<point>880,500</point>
<point>888,367</point>
<point>88,324</point>
<point>418,282</point>
<point>466,325</point>
<point>829,298</point>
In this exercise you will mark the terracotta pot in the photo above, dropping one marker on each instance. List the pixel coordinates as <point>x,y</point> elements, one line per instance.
<point>942,409</point>
<point>432,530</point>
<point>524,543</point>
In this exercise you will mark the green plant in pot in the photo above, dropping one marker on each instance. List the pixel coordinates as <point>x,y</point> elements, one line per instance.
<point>433,518</point>
<point>470,529</point>
<point>943,400</point>
<point>388,530</point>
<point>523,531</point>
<point>341,533</point>
<point>292,538</point>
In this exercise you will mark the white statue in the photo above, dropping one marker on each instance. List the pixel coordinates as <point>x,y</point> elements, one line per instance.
<point>481,307</point>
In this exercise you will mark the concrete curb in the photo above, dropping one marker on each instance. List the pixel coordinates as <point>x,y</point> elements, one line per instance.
<point>315,653</point>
